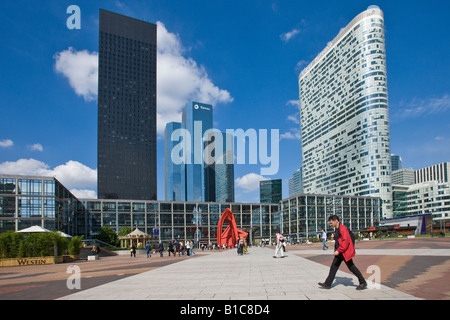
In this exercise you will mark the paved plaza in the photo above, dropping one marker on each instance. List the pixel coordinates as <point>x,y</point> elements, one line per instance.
<point>409,269</point>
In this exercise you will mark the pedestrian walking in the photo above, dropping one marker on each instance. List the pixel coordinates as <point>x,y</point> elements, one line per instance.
<point>160,248</point>
<point>188,248</point>
<point>192,248</point>
<point>177,248</point>
<point>324,239</point>
<point>133,251</point>
<point>240,246</point>
<point>279,245</point>
<point>344,251</point>
<point>147,248</point>
<point>170,250</point>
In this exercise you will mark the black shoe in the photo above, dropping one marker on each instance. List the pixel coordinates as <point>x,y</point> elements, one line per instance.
<point>362,286</point>
<point>324,285</point>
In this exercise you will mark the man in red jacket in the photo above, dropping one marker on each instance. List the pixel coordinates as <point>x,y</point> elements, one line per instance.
<point>344,251</point>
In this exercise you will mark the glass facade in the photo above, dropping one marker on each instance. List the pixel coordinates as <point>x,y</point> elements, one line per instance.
<point>344,114</point>
<point>199,177</point>
<point>174,172</point>
<point>126,108</point>
<point>306,215</point>
<point>26,201</point>
<point>270,191</point>
<point>224,169</point>
<point>181,220</point>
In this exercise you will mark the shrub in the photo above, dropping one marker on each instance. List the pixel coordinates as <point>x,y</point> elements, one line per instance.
<point>75,245</point>
<point>42,244</point>
<point>9,244</point>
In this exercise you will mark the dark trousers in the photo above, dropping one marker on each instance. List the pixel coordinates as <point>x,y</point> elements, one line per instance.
<point>350,265</point>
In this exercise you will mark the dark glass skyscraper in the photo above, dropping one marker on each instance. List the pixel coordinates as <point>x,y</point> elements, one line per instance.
<point>126,108</point>
<point>270,191</point>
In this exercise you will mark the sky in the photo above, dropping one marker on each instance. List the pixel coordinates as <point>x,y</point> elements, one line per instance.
<point>243,57</point>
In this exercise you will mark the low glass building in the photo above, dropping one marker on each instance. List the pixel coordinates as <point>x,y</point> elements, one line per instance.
<point>170,220</point>
<point>26,201</point>
<point>307,214</point>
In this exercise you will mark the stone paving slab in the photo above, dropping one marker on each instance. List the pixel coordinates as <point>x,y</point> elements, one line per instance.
<point>382,252</point>
<point>227,276</point>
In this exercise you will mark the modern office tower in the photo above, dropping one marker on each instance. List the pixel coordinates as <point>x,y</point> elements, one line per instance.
<point>199,176</point>
<point>344,114</point>
<point>439,172</point>
<point>174,169</point>
<point>224,169</point>
<point>404,177</point>
<point>270,191</point>
<point>126,108</point>
<point>295,183</point>
<point>396,162</point>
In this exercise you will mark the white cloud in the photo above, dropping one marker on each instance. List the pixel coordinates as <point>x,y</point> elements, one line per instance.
<point>84,194</point>
<point>81,69</point>
<point>179,79</point>
<point>72,174</point>
<point>6,143</point>
<point>292,103</point>
<point>249,182</point>
<point>294,134</point>
<point>36,147</point>
<point>301,65</point>
<point>422,107</point>
<point>294,118</point>
<point>285,37</point>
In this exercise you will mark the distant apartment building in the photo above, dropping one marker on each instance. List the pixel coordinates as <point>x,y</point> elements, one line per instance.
<point>403,177</point>
<point>295,183</point>
<point>430,194</point>
<point>344,114</point>
<point>439,172</point>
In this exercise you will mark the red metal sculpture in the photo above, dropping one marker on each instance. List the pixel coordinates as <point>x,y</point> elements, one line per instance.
<point>231,234</point>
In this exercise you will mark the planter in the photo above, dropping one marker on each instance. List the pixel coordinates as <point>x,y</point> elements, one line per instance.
<point>34,261</point>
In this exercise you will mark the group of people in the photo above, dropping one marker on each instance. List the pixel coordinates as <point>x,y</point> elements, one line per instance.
<point>174,247</point>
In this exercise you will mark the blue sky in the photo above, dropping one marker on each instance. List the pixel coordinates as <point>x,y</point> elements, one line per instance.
<point>244,57</point>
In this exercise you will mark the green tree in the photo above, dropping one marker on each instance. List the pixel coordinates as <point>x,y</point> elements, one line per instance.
<point>108,235</point>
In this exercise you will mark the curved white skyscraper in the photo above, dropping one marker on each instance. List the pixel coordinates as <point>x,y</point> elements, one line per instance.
<point>344,114</point>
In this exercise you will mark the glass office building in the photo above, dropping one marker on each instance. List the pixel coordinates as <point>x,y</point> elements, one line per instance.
<point>199,177</point>
<point>27,201</point>
<point>270,191</point>
<point>296,217</point>
<point>126,108</point>
<point>199,163</point>
<point>174,171</point>
<point>306,215</point>
<point>44,201</point>
<point>344,114</point>
<point>224,169</point>
<point>181,220</point>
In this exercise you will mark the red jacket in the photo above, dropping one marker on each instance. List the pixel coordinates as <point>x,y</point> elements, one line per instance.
<point>345,243</point>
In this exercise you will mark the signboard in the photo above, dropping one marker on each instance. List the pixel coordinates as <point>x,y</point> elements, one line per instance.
<point>371,228</point>
<point>396,226</point>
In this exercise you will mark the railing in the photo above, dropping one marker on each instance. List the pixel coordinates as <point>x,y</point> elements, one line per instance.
<point>96,242</point>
